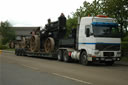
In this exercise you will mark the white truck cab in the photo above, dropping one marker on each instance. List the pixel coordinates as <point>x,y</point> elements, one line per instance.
<point>98,40</point>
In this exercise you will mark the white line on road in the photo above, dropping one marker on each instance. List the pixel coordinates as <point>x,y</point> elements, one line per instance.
<point>30,67</point>
<point>85,82</point>
<point>74,79</point>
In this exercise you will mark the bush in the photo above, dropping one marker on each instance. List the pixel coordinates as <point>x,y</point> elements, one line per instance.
<point>124,48</point>
<point>3,47</point>
<point>125,38</point>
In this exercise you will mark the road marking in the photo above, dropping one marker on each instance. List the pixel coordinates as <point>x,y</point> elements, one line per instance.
<point>85,82</point>
<point>30,67</point>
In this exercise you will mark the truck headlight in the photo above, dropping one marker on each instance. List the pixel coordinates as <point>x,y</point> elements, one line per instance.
<point>97,58</point>
<point>118,59</point>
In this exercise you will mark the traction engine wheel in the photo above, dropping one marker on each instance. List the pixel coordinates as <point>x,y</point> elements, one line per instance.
<point>35,43</point>
<point>23,42</point>
<point>49,45</point>
<point>11,44</point>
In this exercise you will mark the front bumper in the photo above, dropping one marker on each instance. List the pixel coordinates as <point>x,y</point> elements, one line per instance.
<point>106,58</point>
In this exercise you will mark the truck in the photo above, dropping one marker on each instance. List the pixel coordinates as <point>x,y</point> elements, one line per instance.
<point>96,39</point>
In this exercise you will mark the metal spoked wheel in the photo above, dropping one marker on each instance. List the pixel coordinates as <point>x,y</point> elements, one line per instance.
<point>49,45</point>
<point>35,43</point>
<point>23,42</point>
<point>11,44</point>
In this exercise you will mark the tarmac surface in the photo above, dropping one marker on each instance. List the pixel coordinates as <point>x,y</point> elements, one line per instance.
<point>22,70</point>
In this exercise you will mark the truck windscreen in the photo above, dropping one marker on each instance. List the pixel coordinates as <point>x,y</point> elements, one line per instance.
<point>106,31</point>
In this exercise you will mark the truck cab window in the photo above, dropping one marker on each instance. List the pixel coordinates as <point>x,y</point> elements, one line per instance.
<point>106,31</point>
<point>87,30</point>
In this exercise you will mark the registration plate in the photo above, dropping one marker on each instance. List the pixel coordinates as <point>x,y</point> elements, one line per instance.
<point>108,59</point>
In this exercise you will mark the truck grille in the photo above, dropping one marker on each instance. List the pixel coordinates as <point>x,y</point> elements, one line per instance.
<point>109,54</point>
<point>108,47</point>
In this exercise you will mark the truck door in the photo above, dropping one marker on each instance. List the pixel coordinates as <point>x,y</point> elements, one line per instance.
<point>85,38</point>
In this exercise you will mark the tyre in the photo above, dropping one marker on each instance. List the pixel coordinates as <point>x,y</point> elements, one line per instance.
<point>23,52</point>
<point>109,63</point>
<point>66,57</point>
<point>60,55</point>
<point>83,59</point>
<point>18,50</point>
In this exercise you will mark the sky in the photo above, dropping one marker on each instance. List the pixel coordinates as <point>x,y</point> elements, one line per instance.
<point>36,12</point>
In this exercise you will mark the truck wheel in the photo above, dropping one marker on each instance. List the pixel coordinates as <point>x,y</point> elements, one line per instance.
<point>109,63</point>
<point>60,55</point>
<point>83,59</point>
<point>66,57</point>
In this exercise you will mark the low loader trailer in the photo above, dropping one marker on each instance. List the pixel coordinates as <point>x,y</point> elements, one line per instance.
<point>97,39</point>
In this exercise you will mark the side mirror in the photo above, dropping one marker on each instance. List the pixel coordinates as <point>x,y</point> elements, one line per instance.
<point>87,32</point>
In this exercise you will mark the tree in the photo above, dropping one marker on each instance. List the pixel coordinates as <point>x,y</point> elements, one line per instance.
<point>6,32</point>
<point>87,9</point>
<point>71,24</point>
<point>117,9</point>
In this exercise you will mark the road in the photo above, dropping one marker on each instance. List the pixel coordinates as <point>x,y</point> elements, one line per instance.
<point>21,70</point>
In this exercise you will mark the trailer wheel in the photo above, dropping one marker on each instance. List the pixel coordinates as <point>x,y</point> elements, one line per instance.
<point>60,55</point>
<point>83,59</point>
<point>22,54</point>
<point>66,57</point>
<point>18,50</point>
<point>49,45</point>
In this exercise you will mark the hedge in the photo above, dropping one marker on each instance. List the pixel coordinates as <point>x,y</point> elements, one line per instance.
<point>124,48</point>
<point>3,47</point>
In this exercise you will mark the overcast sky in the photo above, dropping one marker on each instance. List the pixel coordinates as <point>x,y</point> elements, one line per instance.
<point>36,12</point>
